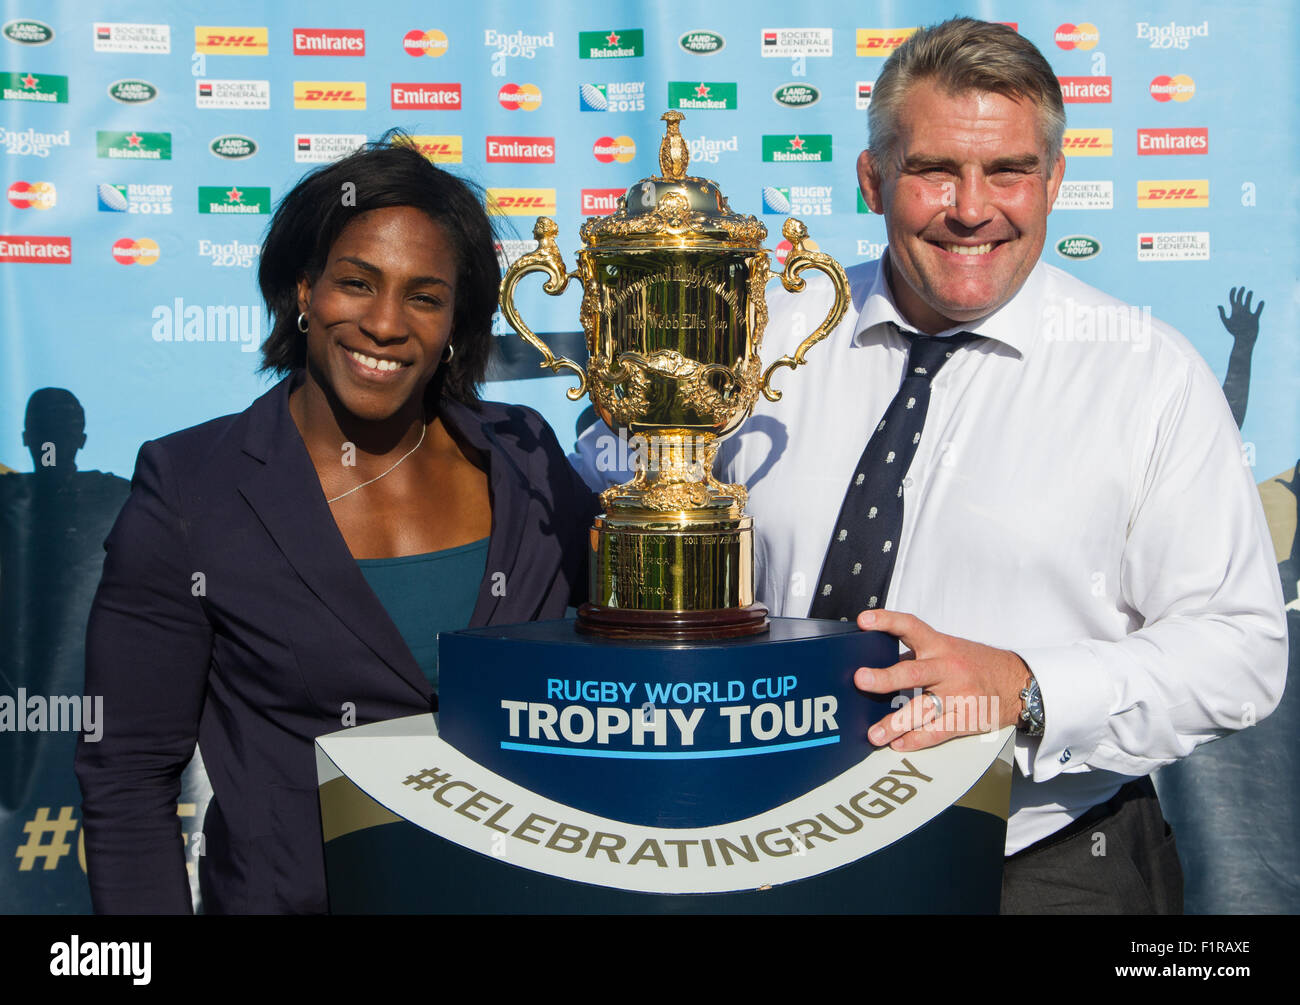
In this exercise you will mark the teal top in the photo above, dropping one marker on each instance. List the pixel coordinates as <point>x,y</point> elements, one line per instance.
<point>427,594</point>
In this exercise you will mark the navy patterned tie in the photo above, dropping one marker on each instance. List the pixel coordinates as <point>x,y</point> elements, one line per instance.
<point>864,542</point>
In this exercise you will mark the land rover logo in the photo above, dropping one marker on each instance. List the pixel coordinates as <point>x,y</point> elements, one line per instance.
<point>702,43</point>
<point>132,92</point>
<point>1078,246</point>
<point>796,95</point>
<point>233,148</point>
<point>28,32</point>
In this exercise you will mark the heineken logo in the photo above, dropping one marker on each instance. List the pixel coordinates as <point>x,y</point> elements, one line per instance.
<point>702,95</point>
<point>132,92</point>
<point>133,146</point>
<point>796,95</point>
<point>621,44</point>
<point>238,201</point>
<point>232,147</point>
<point>47,87</point>
<point>702,43</point>
<point>798,148</point>
<point>1078,246</point>
<point>25,31</point>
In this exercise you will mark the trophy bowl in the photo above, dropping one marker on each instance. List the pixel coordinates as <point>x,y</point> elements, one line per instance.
<point>673,310</point>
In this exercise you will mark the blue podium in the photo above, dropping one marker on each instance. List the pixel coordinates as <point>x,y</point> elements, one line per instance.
<point>571,774</point>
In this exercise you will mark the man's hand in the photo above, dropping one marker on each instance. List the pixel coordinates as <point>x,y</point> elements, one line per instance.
<point>978,686</point>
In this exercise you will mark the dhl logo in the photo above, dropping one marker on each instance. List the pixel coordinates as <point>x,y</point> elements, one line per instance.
<point>1179,194</point>
<point>329,94</point>
<point>439,149</point>
<point>881,41</point>
<point>520,201</point>
<point>231,41</point>
<point>1089,143</point>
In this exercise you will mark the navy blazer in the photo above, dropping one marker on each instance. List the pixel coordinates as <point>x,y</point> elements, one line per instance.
<point>232,613</point>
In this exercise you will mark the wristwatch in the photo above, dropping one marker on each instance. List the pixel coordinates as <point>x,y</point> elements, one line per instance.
<point>1032,718</point>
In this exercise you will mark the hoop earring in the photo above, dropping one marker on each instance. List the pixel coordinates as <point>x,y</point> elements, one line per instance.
<point>302,323</point>
<point>448,353</point>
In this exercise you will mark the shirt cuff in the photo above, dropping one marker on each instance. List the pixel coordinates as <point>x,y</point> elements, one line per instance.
<point>1076,702</point>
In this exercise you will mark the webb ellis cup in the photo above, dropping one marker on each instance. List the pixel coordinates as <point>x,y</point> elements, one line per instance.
<point>673,310</point>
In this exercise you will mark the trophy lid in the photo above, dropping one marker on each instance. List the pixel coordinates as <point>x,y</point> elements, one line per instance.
<point>674,209</point>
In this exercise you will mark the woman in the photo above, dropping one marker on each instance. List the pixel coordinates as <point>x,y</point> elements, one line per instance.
<point>281,573</point>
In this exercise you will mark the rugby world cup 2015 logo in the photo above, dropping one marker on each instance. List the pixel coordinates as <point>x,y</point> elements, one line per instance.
<point>615,96</point>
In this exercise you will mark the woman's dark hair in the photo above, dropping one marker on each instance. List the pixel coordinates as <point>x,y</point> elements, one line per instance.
<point>381,175</point>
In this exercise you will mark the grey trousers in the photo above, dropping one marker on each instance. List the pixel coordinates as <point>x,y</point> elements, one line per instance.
<point>1118,858</point>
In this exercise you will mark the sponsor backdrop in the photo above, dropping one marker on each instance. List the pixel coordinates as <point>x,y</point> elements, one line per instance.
<point>141,154</point>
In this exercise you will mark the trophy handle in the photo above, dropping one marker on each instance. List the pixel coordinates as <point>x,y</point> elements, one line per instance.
<point>545,258</point>
<point>801,258</point>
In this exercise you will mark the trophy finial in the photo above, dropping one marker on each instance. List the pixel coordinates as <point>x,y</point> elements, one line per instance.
<point>674,154</point>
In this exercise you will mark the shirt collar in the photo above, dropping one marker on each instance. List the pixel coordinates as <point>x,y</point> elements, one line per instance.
<point>1014,324</point>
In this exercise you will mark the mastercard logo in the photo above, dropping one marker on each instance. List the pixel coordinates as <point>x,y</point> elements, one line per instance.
<point>32,195</point>
<point>608,149</point>
<point>520,97</point>
<point>785,247</point>
<point>129,251</point>
<point>425,43</point>
<point>1179,88</point>
<point>1077,36</point>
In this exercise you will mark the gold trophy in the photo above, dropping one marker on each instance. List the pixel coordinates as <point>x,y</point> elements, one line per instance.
<point>673,309</point>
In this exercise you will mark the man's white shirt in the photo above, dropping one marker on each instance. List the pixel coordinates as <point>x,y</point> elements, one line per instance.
<point>1078,496</point>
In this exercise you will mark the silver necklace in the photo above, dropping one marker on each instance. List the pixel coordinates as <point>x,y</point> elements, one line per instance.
<point>423,429</point>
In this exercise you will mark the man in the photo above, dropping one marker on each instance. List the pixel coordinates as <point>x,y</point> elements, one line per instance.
<point>1080,545</point>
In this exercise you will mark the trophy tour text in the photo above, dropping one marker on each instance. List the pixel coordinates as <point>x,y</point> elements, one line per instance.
<point>662,714</point>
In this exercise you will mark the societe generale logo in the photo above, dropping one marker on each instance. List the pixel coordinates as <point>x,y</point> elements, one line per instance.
<point>1077,36</point>
<point>35,250</point>
<point>520,201</point>
<point>230,41</point>
<point>520,97</point>
<point>430,96</point>
<point>1174,194</point>
<point>600,201</point>
<point>329,42</point>
<point>135,251</point>
<point>1186,140</point>
<point>1089,143</point>
<point>440,149</point>
<point>1179,88</point>
<point>347,95</point>
<point>608,149</point>
<point>1085,90</point>
<point>425,43</point>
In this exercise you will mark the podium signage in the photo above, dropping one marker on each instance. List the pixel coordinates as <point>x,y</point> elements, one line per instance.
<point>568,772</point>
